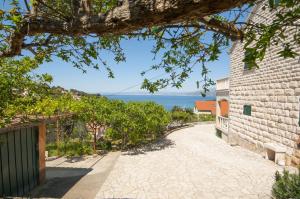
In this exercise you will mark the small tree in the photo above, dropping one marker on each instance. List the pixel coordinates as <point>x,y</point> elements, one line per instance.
<point>95,112</point>
<point>157,118</point>
<point>136,123</point>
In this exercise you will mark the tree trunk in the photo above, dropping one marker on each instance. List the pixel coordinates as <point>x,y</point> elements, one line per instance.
<point>95,140</point>
<point>57,135</point>
<point>57,132</point>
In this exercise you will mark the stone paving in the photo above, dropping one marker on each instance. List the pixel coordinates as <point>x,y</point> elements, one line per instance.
<point>76,178</point>
<point>190,163</point>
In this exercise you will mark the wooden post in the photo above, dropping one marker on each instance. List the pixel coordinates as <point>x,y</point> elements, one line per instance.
<point>57,132</point>
<point>42,149</point>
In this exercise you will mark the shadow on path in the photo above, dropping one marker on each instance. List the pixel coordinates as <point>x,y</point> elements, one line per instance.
<point>156,146</point>
<point>59,181</point>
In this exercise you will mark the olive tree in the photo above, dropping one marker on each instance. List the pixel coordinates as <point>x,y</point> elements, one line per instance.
<point>136,123</point>
<point>95,112</point>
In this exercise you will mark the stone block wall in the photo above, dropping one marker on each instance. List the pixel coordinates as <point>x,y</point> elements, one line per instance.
<point>273,91</point>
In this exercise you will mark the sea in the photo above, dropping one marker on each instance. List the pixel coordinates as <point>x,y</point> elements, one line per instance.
<point>167,101</point>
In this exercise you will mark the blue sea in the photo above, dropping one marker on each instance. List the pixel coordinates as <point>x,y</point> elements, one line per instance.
<point>167,101</point>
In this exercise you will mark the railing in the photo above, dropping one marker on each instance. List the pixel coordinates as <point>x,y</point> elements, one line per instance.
<point>223,123</point>
<point>222,84</point>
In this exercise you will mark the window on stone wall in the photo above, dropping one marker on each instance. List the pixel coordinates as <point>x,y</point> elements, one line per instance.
<point>299,120</point>
<point>247,110</point>
<point>299,114</point>
<point>275,2</point>
<point>246,65</point>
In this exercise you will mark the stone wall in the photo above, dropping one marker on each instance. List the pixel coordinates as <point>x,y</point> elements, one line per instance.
<point>273,91</point>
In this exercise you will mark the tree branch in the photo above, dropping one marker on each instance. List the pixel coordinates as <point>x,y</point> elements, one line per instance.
<point>128,17</point>
<point>27,5</point>
<point>226,28</point>
<point>45,43</point>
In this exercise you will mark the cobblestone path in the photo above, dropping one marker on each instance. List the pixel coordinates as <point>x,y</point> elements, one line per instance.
<point>190,163</point>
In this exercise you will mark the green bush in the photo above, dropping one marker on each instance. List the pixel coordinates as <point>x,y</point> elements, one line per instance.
<point>206,117</point>
<point>52,150</point>
<point>176,108</point>
<point>182,115</point>
<point>287,185</point>
<point>74,147</point>
<point>126,125</point>
<point>136,123</point>
<point>78,148</point>
<point>104,145</point>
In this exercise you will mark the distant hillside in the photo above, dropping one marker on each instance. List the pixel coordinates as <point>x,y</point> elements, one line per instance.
<point>82,93</point>
<point>58,90</point>
<point>211,93</point>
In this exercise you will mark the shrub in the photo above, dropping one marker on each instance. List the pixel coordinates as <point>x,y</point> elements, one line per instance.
<point>78,148</point>
<point>287,185</point>
<point>189,111</point>
<point>52,149</point>
<point>104,145</point>
<point>136,123</point>
<point>206,117</point>
<point>181,117</point>
<point>125,124</point>
<point>177,108</point>
<point>75,147</point>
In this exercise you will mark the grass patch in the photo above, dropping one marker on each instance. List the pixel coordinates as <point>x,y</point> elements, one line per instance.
<point>206,118</point>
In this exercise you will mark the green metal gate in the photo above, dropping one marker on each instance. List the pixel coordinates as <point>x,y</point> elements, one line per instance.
<point>19,170</point>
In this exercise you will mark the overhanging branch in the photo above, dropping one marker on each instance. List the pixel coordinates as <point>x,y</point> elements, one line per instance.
<point>128,17</point>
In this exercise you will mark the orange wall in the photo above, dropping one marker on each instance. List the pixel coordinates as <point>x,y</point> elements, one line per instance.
<point>224,107</point>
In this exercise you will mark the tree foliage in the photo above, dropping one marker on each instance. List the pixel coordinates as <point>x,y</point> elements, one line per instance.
<point>274,32</point>
<point>124,124</point>
<point>182,116</point>
<point>20,89</point>
<point>287,185</point>
<point>136,123</point>
<point>80,31</point>
<point>95,112</point>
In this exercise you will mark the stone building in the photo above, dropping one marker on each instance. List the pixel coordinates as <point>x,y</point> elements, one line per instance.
<point>264,102</point>
<point>222,107</point>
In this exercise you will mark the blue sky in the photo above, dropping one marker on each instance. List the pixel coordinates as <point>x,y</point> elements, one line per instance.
<point>127,74</point>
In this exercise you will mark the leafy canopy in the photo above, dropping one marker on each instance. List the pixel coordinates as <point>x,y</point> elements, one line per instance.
<point>20,89</point>
<point>178,48</point>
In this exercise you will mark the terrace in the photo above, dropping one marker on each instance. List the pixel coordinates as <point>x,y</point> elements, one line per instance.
<point>222,106</point>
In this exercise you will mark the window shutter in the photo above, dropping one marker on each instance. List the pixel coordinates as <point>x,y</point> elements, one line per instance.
<point>247,110</point>
<point>299,120</point>
<point>246,65</point>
